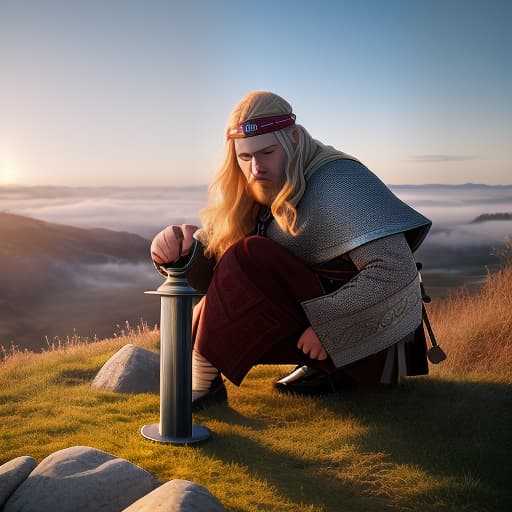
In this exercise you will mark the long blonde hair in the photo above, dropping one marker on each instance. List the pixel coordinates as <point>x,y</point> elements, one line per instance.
<point>231,211</point>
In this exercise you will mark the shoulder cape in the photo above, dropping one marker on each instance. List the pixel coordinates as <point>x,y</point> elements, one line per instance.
<point>343,207</point>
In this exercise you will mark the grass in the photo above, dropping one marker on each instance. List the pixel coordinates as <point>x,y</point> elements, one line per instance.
<point>437,443</point>
<point>476,329</point>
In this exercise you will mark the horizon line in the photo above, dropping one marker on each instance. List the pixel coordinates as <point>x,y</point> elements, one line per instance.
<point>435,184</point>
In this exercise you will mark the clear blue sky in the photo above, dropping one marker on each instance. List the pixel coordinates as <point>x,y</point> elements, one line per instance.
<point>137,93</point>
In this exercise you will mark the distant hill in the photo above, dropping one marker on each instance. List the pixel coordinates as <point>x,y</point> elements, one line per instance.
<point>24,237</point>
<point>56,278</point>
<point>485,217</point>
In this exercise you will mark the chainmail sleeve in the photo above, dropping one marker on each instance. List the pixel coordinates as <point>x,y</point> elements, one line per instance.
<point>375,309</point>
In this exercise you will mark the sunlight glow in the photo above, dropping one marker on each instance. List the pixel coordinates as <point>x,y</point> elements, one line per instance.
<point>8,174</point>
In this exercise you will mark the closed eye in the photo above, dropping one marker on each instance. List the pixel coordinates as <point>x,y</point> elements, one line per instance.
<point>266,151</point>
<point>270,149</point>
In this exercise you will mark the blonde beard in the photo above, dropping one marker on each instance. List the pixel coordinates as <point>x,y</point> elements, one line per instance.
<point>263,194</point>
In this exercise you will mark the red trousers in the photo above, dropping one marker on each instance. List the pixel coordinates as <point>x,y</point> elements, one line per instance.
<point>251,313</point>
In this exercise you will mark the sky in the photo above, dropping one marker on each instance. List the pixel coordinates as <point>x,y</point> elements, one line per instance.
<point>137,93</point>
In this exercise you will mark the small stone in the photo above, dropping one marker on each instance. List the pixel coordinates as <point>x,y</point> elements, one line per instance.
<point>81,479</point>
<point>131,369</point>
<point>178,496</point>
<point>12,474</point>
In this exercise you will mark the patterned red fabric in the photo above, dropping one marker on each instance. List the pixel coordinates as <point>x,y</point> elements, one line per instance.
<point>251,313</point>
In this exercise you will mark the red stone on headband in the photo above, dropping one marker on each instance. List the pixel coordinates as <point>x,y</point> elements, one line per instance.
<point>260,125</point>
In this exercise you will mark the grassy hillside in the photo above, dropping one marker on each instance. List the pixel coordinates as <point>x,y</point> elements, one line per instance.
<point>476,329</point>
<point>437,443</point>
<point>56,278</point>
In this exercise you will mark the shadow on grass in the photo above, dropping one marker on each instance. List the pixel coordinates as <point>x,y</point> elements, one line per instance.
<point>296,479</point>
<point>447,428</point>
<point>229,415</point>
<point>457,432</point>
<point>74,377</point>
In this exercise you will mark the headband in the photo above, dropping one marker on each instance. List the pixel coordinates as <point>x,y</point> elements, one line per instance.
<point>260,125</point>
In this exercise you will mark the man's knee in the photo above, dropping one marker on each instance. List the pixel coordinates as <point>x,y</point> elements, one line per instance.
<point>259,251</point>
<point>252,251</point>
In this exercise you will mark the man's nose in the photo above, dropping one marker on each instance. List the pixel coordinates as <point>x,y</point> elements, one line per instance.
<point>255,166</point>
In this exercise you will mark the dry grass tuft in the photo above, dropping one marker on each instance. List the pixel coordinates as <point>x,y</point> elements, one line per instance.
<point>142,334</point>
<point>475,330</point>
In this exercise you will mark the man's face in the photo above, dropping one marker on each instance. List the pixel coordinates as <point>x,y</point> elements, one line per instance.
<point>262,161</point>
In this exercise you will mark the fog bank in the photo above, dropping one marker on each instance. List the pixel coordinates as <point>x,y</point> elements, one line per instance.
<point>92,297</point>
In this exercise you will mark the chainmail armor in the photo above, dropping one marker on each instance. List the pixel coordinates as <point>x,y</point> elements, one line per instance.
<point>344,206</point>
<point>375,309</point>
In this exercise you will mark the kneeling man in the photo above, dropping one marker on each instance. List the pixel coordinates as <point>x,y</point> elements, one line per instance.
<point>306,257</point>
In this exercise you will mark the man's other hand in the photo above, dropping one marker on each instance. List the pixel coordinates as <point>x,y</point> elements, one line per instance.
<point>172,243</point>
<point>311,345</point>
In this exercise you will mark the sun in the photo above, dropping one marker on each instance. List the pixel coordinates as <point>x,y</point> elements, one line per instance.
<point>8,174</point>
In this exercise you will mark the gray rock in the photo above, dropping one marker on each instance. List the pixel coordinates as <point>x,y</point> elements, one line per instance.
<point>81,479</point>
<point>178,496</point>
<point>12,474</point>
<point>131,369</point>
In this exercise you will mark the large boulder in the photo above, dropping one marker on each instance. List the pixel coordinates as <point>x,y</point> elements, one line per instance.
<point>178,496</point>
<point>131,369</point>
<point>81,479</point>
<point>12,474</point>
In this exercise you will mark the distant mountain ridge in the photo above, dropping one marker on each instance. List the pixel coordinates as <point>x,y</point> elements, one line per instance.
<point>448,186</point>
<point>21,236</point>
<point>485,217</point>
<point>55,278</point>
<point>53,191</point>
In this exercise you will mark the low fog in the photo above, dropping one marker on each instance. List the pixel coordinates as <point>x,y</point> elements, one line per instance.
<point>457,252</point>
<point>144,211</point>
